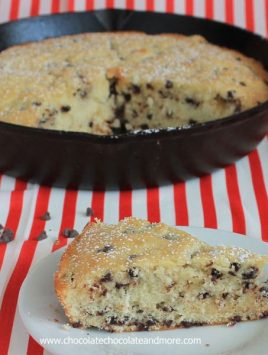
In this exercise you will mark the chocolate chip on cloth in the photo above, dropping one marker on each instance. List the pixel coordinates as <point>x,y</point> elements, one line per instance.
<point>70,233</point>
<point>46,216</point>
<point>6,235</point>
<point>42,236</point>
<point>89,212</point>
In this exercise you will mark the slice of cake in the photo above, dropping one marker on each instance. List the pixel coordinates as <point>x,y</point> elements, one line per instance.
<point>141,276</point>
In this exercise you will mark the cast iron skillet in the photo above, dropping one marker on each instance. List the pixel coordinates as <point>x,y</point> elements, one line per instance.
<point>78,160</point>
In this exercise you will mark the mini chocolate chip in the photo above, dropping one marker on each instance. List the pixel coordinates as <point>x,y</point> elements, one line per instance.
<point>119,285</point>
<point>149,116</point>
<point>127,97</point>
<point>150,322</point>
<point>7,235</point>
<point>134,113</point>
<point>232,273</point>
<point>236,319</point>
<point>133,272</point>
<point>113,320</point>
<point>264,314</point>
<point>224,295</point>
<point>202,296</point>
<point>192,121</point>
<point>149,86</point>
<point>119,112</point>
<point>42,236</point>
<point>235,266</point>
<point>76,325</point>
<point>139,311</point>
<point>187,324</point>
<point>36,103</point>
<point>70,233</point>
<point>242,83</point>
<point>250,273</point>
<point>107,277</point>
<point>264,291</point>
<point>89,212</point>
<point>169,84</point>
<point>105,249</point>
<point>144,126</point>
<point>192,102</point>
<point>66,108</point>
<point>167,322</point>
<point>112,87</point>
<point>90,124</point>
<point>45,216</point>
<point>135,89</point>
<point>230,94</point>
<point>216,274</point>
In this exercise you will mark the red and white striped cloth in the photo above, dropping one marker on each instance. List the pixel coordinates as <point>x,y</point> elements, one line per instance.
<point>234,198</point>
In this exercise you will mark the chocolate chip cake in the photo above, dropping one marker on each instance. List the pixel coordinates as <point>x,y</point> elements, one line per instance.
<point>140,276</point>
<point>109,83</point>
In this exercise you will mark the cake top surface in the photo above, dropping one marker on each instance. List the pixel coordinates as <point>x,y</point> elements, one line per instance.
<point>134,242</point>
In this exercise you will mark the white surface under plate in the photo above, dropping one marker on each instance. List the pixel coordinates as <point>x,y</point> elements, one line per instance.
<point>43,317</point>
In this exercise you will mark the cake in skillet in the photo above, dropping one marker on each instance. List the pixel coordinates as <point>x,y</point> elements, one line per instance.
<point>140,276</point>
<point>109,83</point>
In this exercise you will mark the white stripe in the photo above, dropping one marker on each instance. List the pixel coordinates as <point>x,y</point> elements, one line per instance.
<point>167,208</point>
<point>120,4</point>
<point>199,8</point>
<point>45,7</point>
<point>99,4</point>
<point>160,6</point>
<point>221,200</point>
<point>24,8</point>
<point>259,17</point>
<point>239,13</point>
<point>19,337</point>
<point>179,7</point>
<point>195,208</point>
<point>7,184</point>
<point>5,6</point>
<point>263,154</point>
<point>248,199</point>
<point>111,207</point>
<point>140,5</point>
<point>139,203</point>
<point>219,10</point>
<point>64,5</point>
<point>80,5</point>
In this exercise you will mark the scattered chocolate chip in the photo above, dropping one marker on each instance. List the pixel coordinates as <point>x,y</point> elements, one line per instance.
<point>169,84</point>
<point>149,116</point>
<point>250,273</point>
<point>45,216</point>
<point>7,235</point>
<point>107,277</point>
<point>89,212</point>
<point>144,126</point>
<point>70,233</point>
<point>42,236</point>
<point>264,291</point>
<point>66,108</point>
<point>216,274</point>
<point>192,102</point>
<point>133,272</point>
<point>225,295</point>
<point>135,89</point>
<point>235,266</point>
<point>187,324</point>
<point>105,249</point>
<point>242,83</point>
<point>203,296</point>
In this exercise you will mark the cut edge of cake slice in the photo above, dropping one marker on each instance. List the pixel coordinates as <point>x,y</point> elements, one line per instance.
<point>140,276</point>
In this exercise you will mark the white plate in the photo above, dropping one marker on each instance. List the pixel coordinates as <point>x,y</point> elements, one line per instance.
<point>44,318</point>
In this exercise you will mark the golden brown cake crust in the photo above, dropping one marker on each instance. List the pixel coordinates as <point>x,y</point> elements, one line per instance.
<point>141,276</point>
<point>102,82</point>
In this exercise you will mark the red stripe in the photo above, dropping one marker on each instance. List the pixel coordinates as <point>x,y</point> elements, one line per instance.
<point>14,213</point>
<point>189,7</point>
<point>68,217</point>
<point>35,7</point>
<point>109,4</point>
<point>180,204</point>
<point>153,206</point>
<point>71,5</point>
<point>97,205</point>
<point>266,16</point>
<point>229,11</point>
<point>210,9</point>
<point>170,6</point>
<point>125,204</point>
<point>250,23</point>
<point>239,224</point>
<point>210,219</point>
<point>34,348</point>
<point>14,10</point>
<point>9,304</point>
<point>55,6</point>
<point>90,5</point>
<point>260,192</point>
<point>150,5</point>
<point>130,4</point>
